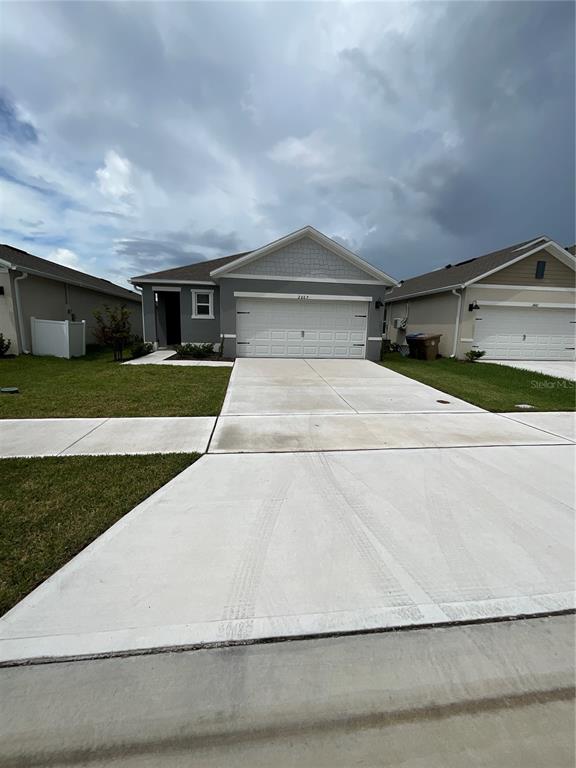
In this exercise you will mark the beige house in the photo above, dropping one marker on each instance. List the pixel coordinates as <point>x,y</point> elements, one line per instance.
<point>34,287</point>
<point>515,304</point>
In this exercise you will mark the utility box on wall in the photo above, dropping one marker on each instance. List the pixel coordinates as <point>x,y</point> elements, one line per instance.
<point>59,338</point>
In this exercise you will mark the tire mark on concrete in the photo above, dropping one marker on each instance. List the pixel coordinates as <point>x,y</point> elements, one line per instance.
<point>351,512</point>
<point>238,613</point>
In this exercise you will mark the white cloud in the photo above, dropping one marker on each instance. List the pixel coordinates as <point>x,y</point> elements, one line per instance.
<point>114,179</point>
<point>309,152</point>
<point>66,257</point>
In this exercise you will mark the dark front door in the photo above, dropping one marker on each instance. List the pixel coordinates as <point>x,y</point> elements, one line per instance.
<point>172,307</point>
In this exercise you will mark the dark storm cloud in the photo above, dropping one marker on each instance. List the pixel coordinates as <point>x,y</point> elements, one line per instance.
<point>417,134</point>
<point>173,249</point>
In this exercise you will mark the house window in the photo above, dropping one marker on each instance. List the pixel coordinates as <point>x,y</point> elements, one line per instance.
<point>540,269</point>
<point>203,304</point>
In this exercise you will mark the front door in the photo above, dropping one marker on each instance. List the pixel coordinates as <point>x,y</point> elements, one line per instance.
<point>172,314</point>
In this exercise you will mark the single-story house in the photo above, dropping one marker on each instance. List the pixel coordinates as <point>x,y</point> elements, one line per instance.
<point>517,303</point>
<point>34,287</point>
<point>304,295</point>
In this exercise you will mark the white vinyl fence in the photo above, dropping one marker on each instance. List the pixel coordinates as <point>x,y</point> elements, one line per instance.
<point>60,338</point>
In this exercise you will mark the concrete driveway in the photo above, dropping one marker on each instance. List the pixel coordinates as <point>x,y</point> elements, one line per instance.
<point>564,369</point>
<point>292,529</point>
<point>272,386</point>
<point>241,547</point>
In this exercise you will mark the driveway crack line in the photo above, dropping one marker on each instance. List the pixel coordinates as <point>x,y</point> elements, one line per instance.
<point>83,436</point>
<point>331,387</point>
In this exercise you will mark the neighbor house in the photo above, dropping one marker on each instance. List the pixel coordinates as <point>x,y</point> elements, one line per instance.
<point>517,303</point>
<point>304,295</point>
<point>34,287</point>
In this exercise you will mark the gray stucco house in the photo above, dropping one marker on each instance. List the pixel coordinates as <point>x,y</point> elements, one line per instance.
<point>304,295</point>
<point>34,287</point>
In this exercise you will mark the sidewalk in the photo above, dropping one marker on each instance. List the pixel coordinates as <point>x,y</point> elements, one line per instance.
<point>161,356</point>
<point>78,437</point>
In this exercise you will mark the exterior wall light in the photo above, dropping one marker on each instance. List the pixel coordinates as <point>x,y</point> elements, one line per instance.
<point>473,306</point>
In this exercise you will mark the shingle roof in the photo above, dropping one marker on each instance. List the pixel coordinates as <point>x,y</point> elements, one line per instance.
<point>200,270</point>
<point>454,275</point>
<point>571,249</point>
<point>29,263</point>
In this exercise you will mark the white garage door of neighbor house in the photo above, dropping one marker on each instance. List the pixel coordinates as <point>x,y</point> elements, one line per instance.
<point>300,328</point>
<point>525,333</point>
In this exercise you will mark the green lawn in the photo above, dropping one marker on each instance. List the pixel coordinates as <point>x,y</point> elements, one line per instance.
<point>95,386</point>
<point>493,387</point>
<point>51,508</point>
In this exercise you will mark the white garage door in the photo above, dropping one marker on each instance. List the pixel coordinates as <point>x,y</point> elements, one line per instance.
<point>293,328</point>
<point>525,333</point>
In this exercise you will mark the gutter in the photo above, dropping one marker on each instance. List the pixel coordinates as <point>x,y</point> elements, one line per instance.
<point>18,300</point>
<point>457,324</point>
<point>392,299</point>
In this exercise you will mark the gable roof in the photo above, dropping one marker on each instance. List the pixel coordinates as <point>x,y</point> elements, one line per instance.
<point>571,249</point>
<point>199,271</point>
<point>314,234</point>
<point>14,258</point>
<point>466,272</point>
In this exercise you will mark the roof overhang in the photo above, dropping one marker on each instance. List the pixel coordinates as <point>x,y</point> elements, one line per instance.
<point>174,281</point>
<point>68,281</point>
<point>308,231</point>
<point>549,245</point>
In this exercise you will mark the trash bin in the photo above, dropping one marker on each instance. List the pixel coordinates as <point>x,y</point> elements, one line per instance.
<point>423,346</point>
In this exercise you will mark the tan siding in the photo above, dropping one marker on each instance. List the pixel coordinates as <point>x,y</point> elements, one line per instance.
<point>429,314</point>
<point>523,272</point>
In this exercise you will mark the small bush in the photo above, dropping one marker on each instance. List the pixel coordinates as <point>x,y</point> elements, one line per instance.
<point>4,345</point>
<point>141,348</point>
<point>195,351</point>
<point>474,354</point>
<point>113,329</point>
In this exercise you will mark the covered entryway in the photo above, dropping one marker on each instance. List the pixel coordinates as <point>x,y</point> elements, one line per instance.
<point>525,333</point>
<point>301,326</point>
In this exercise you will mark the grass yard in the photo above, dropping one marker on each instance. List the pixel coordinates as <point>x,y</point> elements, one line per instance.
<point>493,387</point>
<point>95,386</point>
<point>51,508</point>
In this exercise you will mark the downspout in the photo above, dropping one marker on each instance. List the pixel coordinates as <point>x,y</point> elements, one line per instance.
<point>457,325</point>
<point>19,315</point>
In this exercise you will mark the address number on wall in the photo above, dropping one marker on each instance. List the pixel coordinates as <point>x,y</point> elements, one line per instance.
<point>303,298</point>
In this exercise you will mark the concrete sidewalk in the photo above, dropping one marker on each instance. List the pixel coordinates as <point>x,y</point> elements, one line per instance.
<point>563,369</point>
<point>245,547</point>
<point>79,437</point>
<point>351,432</point>
<point>161,357</point>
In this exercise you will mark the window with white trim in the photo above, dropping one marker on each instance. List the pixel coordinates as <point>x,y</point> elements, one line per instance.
<point>203,304</point>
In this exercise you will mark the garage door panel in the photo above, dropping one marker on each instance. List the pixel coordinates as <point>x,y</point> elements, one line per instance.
<point>524,333</point>
<point>290,328</point>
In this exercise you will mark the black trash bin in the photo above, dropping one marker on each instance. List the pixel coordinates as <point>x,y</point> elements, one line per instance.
<point>423,346</point>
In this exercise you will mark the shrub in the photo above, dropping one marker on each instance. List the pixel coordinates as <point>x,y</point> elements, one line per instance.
<point>113,329</point>
<point>474,354</point>
<point>140,348</point>
<point>195,351</point>
<point>4,345</point>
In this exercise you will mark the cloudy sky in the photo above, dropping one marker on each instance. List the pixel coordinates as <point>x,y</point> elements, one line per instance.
<point>139,136</point>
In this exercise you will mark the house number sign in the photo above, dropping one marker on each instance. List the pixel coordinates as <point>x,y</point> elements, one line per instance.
<point>301,298</point>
